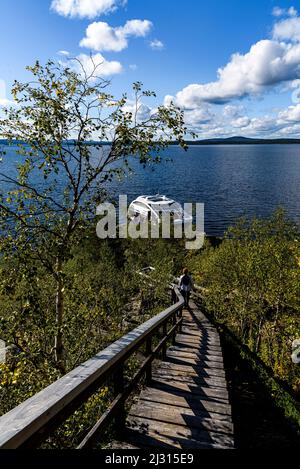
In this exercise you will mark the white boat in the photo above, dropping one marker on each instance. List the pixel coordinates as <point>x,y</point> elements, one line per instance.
<point>152,208</point>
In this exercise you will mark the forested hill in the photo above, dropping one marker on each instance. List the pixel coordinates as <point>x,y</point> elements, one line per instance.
<point>244,141</point>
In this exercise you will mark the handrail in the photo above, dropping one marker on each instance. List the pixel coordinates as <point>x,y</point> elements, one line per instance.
<point>32,422</point>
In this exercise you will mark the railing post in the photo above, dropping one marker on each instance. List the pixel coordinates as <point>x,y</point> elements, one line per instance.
<point>119,385</point>
<point>149,367</point>
<point>175,332</point>
<point>173,296</point>
<point>164,347</point>
<point>41,415</point>
<point>180,317</point>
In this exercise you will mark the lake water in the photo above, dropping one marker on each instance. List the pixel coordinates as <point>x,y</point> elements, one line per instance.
<point>231,180</point>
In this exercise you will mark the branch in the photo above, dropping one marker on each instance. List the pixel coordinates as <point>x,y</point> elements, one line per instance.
<point>33,190</point>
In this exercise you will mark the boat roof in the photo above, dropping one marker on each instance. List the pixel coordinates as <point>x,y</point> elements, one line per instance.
<point>154,199</point>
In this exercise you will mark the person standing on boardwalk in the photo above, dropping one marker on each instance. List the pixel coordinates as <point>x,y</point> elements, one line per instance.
<point>185,286</point>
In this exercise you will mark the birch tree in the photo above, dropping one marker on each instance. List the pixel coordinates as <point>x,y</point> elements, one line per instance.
<point>60,177</point>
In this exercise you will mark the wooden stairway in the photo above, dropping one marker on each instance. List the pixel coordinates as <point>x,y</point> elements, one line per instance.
<point>186,405</point>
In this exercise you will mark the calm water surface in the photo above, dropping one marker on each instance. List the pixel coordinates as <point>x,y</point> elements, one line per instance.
<point>231,180</point>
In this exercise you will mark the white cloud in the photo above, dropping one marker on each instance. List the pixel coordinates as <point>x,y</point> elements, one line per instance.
<point>240,122</point>
<point>280,123</point>
<point>168,99</point>
<point>291,131</point>
<point>85,8</point>
<point>4,101</point>
<point>138,28</point>
<point>2,89</point>
<point>64,53</point>
<point>267,63</point>
<point>141,112</point>
<point>210,121</point>
<point>292,11</point>
<point>100,36</point>
<point>198,116</point>
<point>133,67</point>
<point>288,29</point>
<point>264,125</point>
<point>291,114</point>
<point>104,67</point>
<point>194,117</point>
<point>156,44</point>
<point>233,110</point>
<point>277,11</point>
<point>292,85</point>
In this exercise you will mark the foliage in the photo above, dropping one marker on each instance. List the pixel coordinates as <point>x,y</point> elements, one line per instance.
<point>101,280</point>
<point>47,202</point>
<point>251,283</point>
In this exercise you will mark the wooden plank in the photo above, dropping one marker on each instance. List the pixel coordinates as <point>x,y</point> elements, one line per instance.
<point>195,332</point>
<point>187,403</point>
<point>220,394</point>
<point>201,364</point>
<point>195,403</point>
<point>200,351</point>
<point>120,445</point>
<point>197,340</point>
<point>198,346</point>
<point>182,416</point>
<point>189,329</point>
<point>190,354</point>
<point>194,370</point>
<point>190,372</point>
<point>150,433</point>
<point>195,380</point>
<point>194,322</point>
<point>201,406</point>
<point>178,357</point>
<point>159,439</point>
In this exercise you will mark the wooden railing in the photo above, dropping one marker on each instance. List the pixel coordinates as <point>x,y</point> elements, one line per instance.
<point>31,423</point>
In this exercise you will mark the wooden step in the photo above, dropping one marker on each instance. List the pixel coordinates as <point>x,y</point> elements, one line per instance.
<point>193,370</point>
<point>183,417</point>
<point>175,385</point>
<point>186,404</point>
<point>178,357</point>
<point>150,433</point>
<point>195,404</point>
<point>193,380</point>
<point>218,359</point>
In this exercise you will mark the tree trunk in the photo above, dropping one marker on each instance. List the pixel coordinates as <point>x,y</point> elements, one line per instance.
<point>59,346</point>
<point>258,337</point>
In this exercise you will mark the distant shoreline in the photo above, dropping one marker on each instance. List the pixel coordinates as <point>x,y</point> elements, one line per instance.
<point>245,141</point>
<point>211,141</point>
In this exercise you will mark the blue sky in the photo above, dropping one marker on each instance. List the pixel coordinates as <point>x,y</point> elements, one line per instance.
<point>233,66</point>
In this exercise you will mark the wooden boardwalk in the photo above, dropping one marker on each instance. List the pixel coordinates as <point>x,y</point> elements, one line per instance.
<point>186,405</point>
